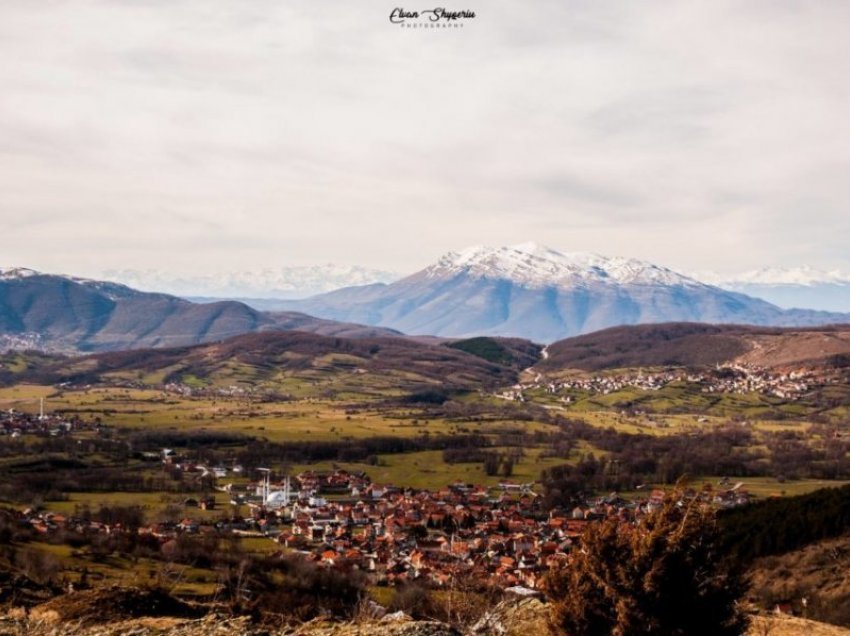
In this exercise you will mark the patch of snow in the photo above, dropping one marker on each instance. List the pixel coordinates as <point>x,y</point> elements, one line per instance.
<point>109,289</point>
<point>803,276</point>
<point>15,273</point>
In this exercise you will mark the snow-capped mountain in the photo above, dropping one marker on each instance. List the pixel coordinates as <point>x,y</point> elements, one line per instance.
<point>286,282</point>
<point>534,265</point>
<point>532,291</point>
<point>791,287</point>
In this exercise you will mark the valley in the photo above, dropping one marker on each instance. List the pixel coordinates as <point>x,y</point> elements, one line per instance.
<point>476,320</point>
<point>428,461</point>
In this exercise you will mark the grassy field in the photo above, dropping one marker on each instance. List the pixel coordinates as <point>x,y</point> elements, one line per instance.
<point>308,419</point>
<point>156,506</point>
<point>759,487</point>
<point>684,397</point>
<point>326,419</point>
<point>427,469</point>
<point>314,419</point>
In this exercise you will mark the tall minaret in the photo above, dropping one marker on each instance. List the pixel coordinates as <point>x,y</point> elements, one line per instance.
<point>41,408</point>
<point>265,486</point>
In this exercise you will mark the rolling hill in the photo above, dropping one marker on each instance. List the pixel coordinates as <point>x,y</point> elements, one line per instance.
<point>694,345</point>
<point>71,314</point>
<point>268,359</point>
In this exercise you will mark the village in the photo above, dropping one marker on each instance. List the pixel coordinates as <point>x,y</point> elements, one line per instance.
<point>728,379</point>
<point>14,423</point>
<point>342,520</point>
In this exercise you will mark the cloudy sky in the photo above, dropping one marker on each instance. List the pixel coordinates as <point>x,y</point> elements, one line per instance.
<point>204,135</point>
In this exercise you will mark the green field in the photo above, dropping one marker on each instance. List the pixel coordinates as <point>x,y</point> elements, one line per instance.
<point>681,397</point>
<point>427,469</point>
<point>337,420</point>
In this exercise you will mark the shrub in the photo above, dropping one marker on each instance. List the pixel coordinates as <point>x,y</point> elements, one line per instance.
<point>663,575</point>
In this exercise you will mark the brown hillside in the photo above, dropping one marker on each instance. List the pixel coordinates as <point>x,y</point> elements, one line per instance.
<point>262,355</point>
<point>793,347</point>
<point>696,345</point>
<point>819,573</point>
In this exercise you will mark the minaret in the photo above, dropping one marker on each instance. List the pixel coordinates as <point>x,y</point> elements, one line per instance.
<point>41,408</point>
<point>266,481</point>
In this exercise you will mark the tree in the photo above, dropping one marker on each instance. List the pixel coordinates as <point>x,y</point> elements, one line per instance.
<point>491,464</point>
<point>662,575</point>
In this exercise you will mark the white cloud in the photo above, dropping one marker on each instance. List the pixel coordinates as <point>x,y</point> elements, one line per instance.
<point>214,135</point>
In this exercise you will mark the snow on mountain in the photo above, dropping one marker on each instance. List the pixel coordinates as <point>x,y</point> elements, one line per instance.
<point>534,292</point>
<point>524,290</point>
<point>823,290</point>
<point>286,282</point>
<point>109,289</point>
<point>534,265</point>
<point>14,273</point>
<point>803,275</point>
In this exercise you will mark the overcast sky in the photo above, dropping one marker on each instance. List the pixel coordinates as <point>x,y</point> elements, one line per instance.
<point>206,135</point>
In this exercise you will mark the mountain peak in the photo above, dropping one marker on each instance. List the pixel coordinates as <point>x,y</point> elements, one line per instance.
<point>12,273</point>
<point>534,265</point>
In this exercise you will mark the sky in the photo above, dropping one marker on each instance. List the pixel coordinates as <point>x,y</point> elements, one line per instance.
<point>203,136</point>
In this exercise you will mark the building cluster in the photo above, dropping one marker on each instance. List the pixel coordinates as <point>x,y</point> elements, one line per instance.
<point>606,384</point>
<point>403,535</point>
<point>499,535</point>
<point>16,423</point>
<point>185,390</point>
<point>341,520</point>
<point>789,385</point>
<point>738,379</point>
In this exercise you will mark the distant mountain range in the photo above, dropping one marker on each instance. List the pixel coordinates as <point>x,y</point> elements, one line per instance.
<point>534,292</point>
<point>797,287</point>
<point>523,291</point>
<point>791,287</point>
<point>283,282</point>
<point>75,314</point>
